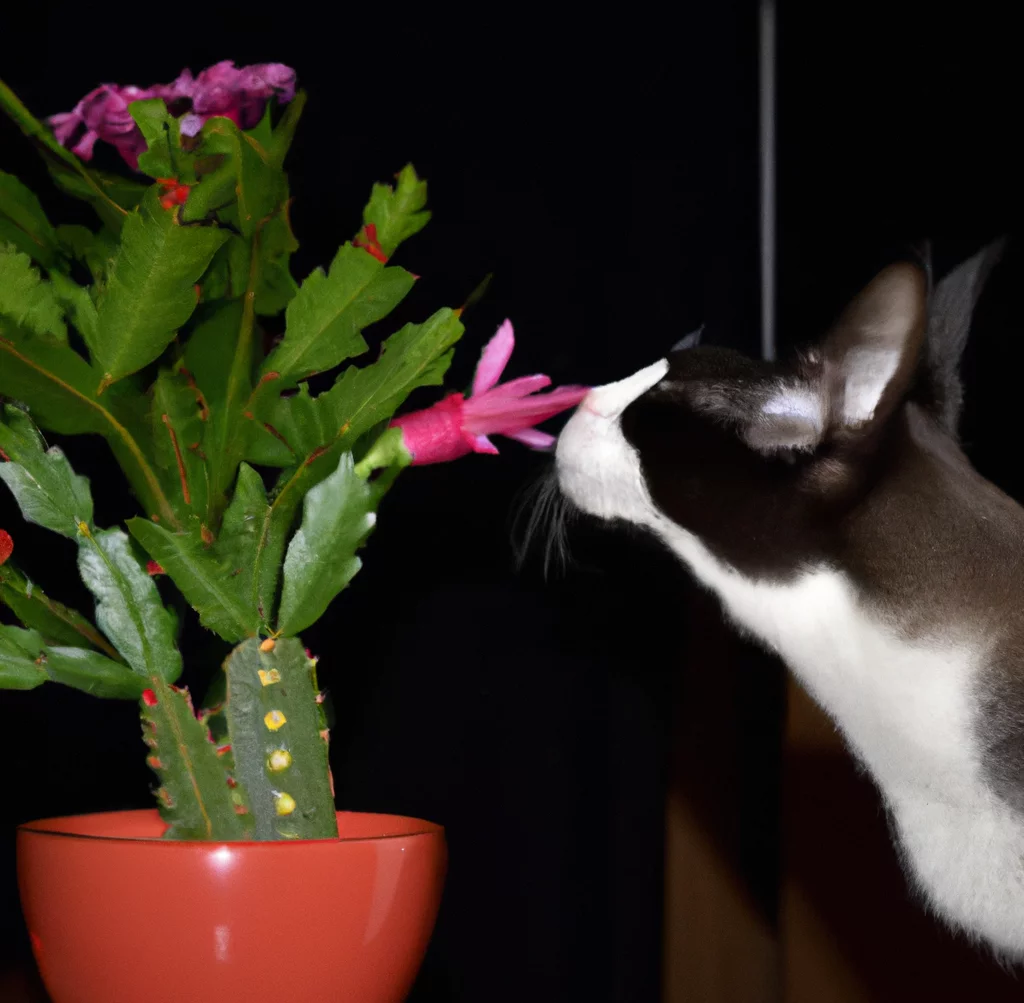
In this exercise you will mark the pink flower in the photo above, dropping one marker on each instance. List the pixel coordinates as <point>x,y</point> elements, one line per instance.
<point>102,115</point>
<point>238,94</point>
<point>222,89</point>
<point>456,426</point>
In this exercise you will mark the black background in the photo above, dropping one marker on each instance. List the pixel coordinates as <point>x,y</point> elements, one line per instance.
<point>605,170</point>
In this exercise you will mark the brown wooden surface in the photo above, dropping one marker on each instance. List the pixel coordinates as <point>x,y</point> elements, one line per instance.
<point>721,855</point>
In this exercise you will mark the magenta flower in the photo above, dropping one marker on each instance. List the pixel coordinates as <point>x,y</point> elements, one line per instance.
<point>456,426</point>
<point>222,89</point>
<point>102,115</point>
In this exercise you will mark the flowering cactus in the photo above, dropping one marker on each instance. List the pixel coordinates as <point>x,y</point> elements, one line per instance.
<point>168,366</point>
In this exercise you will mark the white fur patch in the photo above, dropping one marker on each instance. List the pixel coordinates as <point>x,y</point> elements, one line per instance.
<point>904,708</point>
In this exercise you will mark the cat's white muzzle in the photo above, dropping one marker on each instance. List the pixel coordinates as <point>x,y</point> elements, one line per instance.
<point>597,468</point>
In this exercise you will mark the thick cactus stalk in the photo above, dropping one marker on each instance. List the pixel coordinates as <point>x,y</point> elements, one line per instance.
<point>278,738</point>
<point>198,797</point>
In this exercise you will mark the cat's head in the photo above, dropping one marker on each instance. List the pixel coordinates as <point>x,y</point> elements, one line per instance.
<point>756,459</point>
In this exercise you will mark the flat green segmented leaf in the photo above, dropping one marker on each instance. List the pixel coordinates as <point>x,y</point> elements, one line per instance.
<point>321,559</point>
<point>151,289</point>
<point>25,298</point>
<point>24,224</point>
<point>325,319</point>
<point>417,355</point>
<point>208,582</point>
<point>57,623</point>
<point>48,492</point>
<point>128,606</point>
<point>178,417</point>
<point>398,212</point>
<point>163,157</point>
<point>76,303</point>
<point>26,661</point>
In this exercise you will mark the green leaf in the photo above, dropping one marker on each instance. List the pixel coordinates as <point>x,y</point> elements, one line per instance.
<point>281,140</point>
<point>337,517</point>
<point>208,582</point>
<point>211,348</point>
<point>128,606</point>
<point>24,224</point>
<point>164,157</point>
<point>417,355</point>
<point>398,212</point>
<point>25,298</point>
<point>325,320</point>
<point>279,740</point>
<point>275,286</point>
<point>260,185</point>
<point>77,303</point>
<point>194,798</point>
<point>57,623</point>
<point>26,661</point>
<point>151,290</point>
<point>48,492</point>
<point>58,385</point>
<point>238,543</point>
<point>179,415</point>
<point>94,250</point>
<point>228,274</point>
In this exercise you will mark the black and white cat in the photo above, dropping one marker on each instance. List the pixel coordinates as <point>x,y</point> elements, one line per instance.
<point>829,506</point>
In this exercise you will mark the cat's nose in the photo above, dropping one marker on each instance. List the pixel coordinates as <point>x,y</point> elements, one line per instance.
<point>612,399</point>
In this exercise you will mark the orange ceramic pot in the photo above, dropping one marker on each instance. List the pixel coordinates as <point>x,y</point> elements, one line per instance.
<point>117,915</point>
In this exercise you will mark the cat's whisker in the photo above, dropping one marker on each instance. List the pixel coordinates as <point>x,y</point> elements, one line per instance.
<point>542,514</point>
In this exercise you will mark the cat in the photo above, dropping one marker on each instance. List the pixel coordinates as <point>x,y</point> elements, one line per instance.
<point>828,504</point>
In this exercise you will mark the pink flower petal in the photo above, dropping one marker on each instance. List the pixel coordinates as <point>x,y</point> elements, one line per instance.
<point>481,444</point>
<point>483,416</point>
<point>519,387</point>
<point>83,148</point>
<point>534,438</point>
<point>64,125</point>
<point>494,358</point>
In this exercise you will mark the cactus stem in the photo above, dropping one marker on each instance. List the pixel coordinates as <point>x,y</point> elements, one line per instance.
<point>149,698</point>
<point>284,804</point>
<point>269,676</point>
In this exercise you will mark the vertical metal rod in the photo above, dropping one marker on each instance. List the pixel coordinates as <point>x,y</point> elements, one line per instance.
<point>766,94</point>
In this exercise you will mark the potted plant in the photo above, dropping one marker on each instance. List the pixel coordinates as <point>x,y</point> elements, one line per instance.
<point>174,330</point>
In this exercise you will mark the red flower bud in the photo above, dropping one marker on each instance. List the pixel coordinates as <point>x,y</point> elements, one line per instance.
<point>6,545</point>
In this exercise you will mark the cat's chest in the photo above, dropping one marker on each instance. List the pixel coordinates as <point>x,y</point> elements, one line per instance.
<point>905,706</point>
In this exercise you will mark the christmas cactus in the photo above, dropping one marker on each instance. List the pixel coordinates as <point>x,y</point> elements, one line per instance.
<point>175,330</point>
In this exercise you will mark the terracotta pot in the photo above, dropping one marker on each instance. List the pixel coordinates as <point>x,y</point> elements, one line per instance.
<point>117,915</point>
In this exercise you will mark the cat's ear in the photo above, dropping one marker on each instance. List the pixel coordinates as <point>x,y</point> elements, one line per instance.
<point>688,341</point>
<point>949,321</point>
<point>870,356</point>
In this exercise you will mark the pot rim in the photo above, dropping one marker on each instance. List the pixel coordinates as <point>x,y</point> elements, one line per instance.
<point>416,827</point>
